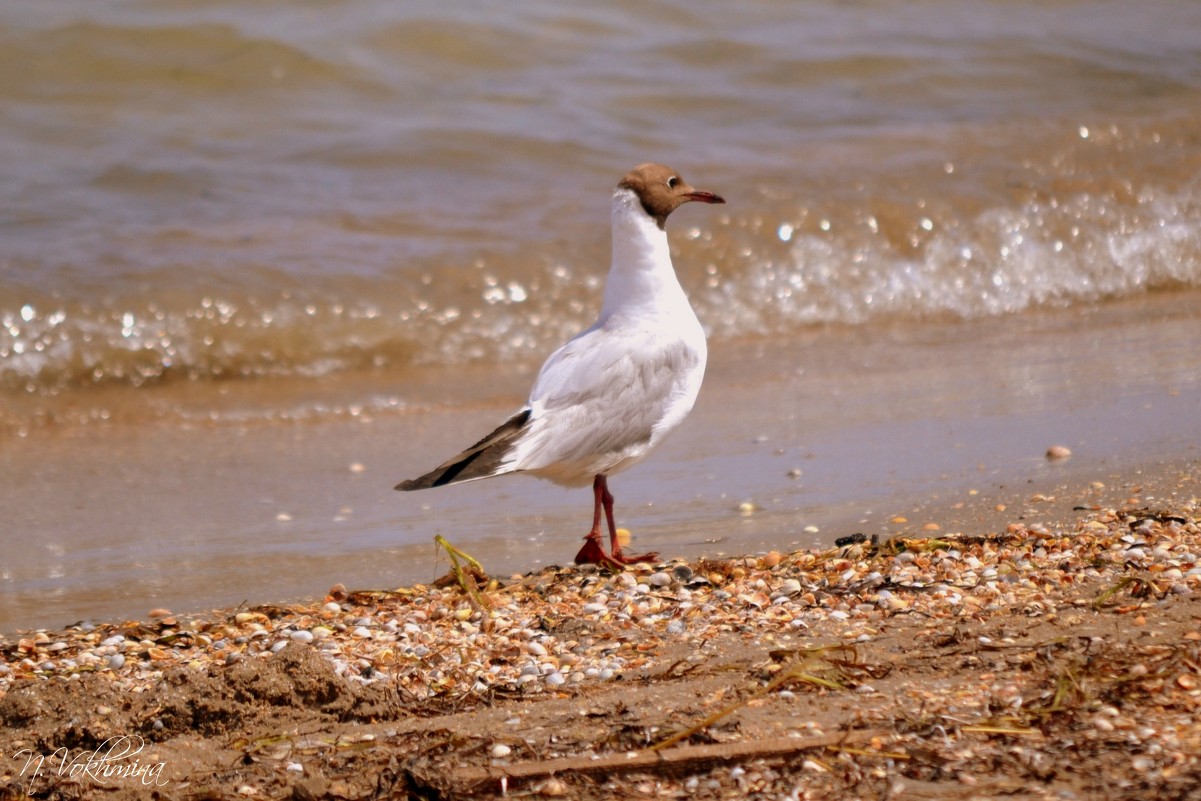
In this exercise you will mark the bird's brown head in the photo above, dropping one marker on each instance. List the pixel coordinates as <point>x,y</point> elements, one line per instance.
<point>661,190</point>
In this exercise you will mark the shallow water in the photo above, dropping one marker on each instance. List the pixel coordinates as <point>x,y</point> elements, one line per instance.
<point>202,191</point>
<point>231,234</point>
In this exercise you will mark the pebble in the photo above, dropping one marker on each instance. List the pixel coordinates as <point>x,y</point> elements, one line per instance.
<point>659,579</point>
<point>1058,452</point>
<point>552,788</point>
<point>626,580</point>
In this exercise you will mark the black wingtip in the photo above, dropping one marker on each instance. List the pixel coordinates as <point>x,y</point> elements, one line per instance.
<point>485,457</point>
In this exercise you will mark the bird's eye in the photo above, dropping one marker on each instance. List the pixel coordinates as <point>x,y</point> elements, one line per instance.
<point>672,181</point>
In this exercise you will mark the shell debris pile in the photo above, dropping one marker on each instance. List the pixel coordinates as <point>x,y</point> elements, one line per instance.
<point>432,642</point>
<point>562,630</point>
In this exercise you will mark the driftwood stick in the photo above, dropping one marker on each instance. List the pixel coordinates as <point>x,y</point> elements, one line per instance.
<point>646,760</point>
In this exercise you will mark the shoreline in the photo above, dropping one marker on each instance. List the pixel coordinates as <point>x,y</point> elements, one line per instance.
<point>827,434</point>
<point>945,662</point>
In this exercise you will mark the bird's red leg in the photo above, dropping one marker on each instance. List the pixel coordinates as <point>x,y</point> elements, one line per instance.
<point>592,553</point>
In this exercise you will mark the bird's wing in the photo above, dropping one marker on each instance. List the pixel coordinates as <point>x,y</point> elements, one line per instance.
<point>606,392</point>
<point>603,397</point>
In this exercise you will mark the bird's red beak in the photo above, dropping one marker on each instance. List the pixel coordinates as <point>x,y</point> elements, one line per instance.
<point>704,197</point>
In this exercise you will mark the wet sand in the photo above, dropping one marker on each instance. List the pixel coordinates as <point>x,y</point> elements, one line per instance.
<point>834,432</point>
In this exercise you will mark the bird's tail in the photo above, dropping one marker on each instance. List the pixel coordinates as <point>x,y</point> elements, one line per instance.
<point>485,458</point>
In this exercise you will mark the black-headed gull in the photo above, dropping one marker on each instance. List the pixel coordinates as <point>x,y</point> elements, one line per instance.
<point>607,397</point>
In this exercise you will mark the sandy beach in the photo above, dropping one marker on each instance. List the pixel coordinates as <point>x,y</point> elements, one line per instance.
<point>1056,656</point>
<point>931,530</point>
<point>1023,626</point>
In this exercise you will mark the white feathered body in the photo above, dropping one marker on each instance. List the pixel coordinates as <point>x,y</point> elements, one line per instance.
<point>607,397</point>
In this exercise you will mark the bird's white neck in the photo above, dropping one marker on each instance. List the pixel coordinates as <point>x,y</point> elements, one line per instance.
<point>641,275</point>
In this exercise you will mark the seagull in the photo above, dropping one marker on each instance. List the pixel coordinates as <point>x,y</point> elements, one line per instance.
<point>606,398</point>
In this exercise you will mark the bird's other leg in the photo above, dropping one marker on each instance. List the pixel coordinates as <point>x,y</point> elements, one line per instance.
<point>592,553</point>
<point>614,545</point>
